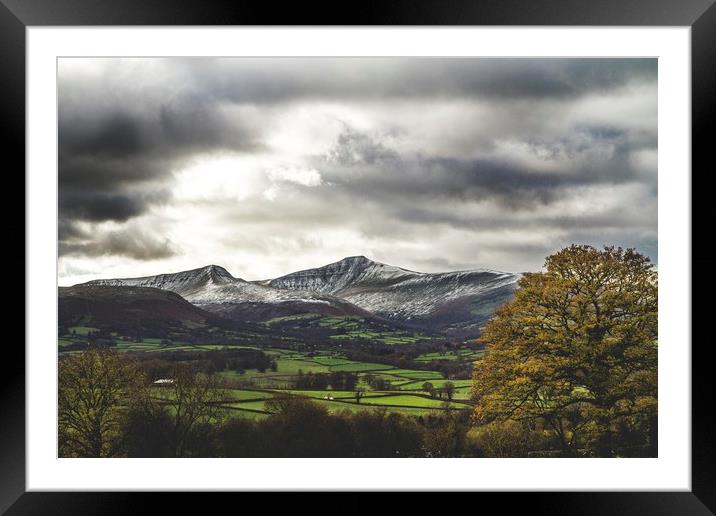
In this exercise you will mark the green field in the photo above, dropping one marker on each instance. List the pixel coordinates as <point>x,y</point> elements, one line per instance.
<point>404,404</point>
<point>246,402</point>
<point>437,383</point>
<point>247,395</point>
<point>289,367</point>
<point>152,345</point>
<point>416,374</point>
<point>349,328</point>
<point>407,400</point>
<point>405,397</point>
<point>461,354</point>
<point>360,366</point>
<point>320,394</point>
<point>247,391</point>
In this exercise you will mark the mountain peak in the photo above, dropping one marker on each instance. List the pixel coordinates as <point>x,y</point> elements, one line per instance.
<point>214,273</point>
<point>337,275</point>
<point>364,263</point>
<point>355,259</point>
<point>216,269</point>
<point>177,282</point>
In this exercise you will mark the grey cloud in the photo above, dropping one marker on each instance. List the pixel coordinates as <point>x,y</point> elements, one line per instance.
<point>267,243</point>
<point>114,134</point>
<point>131,244</point>
<point>200,126</point>
<point>359,166</point>
<point>99,206</point>
<point>273,80</point>
<point>68,230</point>
<point>378,192</point>
<point>355,147</point>
<point>439,264</point>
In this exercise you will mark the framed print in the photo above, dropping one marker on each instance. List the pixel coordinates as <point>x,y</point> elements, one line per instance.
<point>267,251</point>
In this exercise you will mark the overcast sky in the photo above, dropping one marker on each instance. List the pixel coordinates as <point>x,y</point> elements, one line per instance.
<point>268,166</point>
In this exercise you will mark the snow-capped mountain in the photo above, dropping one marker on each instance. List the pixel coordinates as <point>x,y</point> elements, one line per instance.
<point>215,289</point>
<point>461,301</point>
<point>400,294</point>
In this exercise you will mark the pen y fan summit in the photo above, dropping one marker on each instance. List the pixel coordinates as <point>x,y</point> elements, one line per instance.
<point>460,299</point>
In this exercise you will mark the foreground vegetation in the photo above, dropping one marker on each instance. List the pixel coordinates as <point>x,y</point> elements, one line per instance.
<point>109,408</point>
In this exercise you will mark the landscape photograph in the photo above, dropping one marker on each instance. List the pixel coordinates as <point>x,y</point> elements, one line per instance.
<point>357,257</point>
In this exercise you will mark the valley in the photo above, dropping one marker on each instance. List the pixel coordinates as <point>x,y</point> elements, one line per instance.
<point>270,369</point>
<point>393,386</point>
<point>354,335</point>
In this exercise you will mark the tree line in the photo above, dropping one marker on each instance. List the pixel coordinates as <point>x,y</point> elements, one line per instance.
<point>160,365</point>
<point>108,408</point>
<point>339,381</point>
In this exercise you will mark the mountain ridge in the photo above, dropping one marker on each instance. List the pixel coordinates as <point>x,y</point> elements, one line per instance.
<point>401,294</point>
<point>214,289</point>
<point>353,286</point>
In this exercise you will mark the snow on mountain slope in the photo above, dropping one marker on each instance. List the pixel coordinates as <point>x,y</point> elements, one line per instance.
<point>213,286</point>
<point>398,293</point>
<point>341,275</point>
<point>460,300</point>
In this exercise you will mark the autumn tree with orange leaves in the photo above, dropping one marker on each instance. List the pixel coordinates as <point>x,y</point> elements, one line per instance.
<point>574,354</point>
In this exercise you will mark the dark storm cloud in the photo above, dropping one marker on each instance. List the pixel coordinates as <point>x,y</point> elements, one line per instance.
<point>117,152</point>
<point>360,166</point>
<point>114,134</point>
<point>131,244</point>
<point>614,219</point>
<point>190,125</point>
<point>110,150</point>
<point>98,206</point>
<point>279,80</point>
<point>69,230</point>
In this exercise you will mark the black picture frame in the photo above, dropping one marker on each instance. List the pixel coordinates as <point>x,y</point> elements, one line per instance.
<point>700,15</point>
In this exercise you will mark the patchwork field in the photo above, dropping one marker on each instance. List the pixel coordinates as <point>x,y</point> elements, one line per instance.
<point>405,396</point>
<point>247,403</point>
<point>401,389</point>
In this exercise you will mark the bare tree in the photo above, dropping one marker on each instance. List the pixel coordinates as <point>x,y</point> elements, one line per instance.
<point>195,400</point>
<point>94,389</point>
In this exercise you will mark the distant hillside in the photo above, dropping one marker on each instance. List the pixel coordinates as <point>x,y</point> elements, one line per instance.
<point>140,309</point>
